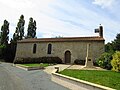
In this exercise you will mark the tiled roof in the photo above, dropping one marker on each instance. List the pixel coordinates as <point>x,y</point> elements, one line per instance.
<point>64,39</point>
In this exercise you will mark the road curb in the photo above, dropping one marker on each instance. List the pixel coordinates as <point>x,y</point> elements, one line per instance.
<point>28,68</point>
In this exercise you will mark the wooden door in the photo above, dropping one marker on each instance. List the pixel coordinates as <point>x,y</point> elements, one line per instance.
<point>67,57</point>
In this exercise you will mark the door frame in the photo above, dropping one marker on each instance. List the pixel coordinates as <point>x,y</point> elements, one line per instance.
<point>67,57</point>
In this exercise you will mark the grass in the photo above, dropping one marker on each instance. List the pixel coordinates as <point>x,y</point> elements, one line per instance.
<point>36,65</point>
<point>105,78</point>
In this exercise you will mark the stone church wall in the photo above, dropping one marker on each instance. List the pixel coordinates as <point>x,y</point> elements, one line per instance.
<point>78,50</point>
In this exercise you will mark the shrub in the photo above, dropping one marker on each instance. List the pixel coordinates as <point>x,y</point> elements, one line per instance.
<point>104,61</point>
<point>27,60</point>
<point>38,60</point>
<point>51,60</point>
<point>2,50</point>
<point>18,61</point>
<point>2,46</point>
<point>80,62</point>
<point>116,61</point>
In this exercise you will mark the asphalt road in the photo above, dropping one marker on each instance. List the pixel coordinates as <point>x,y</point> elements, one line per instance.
<point>12,78</point>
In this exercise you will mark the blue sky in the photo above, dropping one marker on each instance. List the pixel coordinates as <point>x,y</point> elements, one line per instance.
<point>67,18</point>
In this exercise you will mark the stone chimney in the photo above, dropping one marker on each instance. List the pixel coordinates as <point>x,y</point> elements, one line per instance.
<point>99,30</point>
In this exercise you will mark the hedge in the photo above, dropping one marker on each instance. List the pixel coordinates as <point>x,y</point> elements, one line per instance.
<point>38,60</point>
<point>79,62</point>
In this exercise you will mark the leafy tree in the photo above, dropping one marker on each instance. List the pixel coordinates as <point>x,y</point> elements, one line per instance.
<point>4,33</point>
<point>59,36</point>
<point>19,29</point>
<point>104,60</point>
<point>2,49</point>
<point>116,61</point>
<point>116,43</point>
<point>4,40</point>
<point>31,32</point>
<point>109,47</point>
<point>16,36</point>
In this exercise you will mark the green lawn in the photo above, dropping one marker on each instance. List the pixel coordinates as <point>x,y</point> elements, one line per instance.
<point>106,78</point>
<point>36,65</point>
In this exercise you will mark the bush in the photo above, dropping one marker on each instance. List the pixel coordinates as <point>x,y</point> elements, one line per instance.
<point>2,50</point>
<point>80,62</point>
<point>51,60</point>
<point>116,61</point>
<point>27,60</point>
<point>38,60</point>
<point>7,53</point>
<point>104,61</point>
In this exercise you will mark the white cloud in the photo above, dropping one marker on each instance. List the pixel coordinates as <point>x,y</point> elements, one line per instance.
<point>17,4</point>
<point>85,16</point>
<point>12,9</point>
<point>71,19</point>
<point>104,3</point>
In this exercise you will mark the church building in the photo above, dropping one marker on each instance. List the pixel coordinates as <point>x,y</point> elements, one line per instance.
<point>68,49</point>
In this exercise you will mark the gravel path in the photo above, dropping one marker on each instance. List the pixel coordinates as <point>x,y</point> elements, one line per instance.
<point>12,78</point>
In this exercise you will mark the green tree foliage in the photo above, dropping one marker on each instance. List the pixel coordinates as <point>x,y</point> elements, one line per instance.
<point>116,43</point>
<point>59,36</point>
<point>15,36</point>
<point>19,33</point>
<point>2,48</point>
<point>104,60</point>
<point>31,32</point>
<point>116,61</point>
<point>109,47</point>
<point>4,33</point>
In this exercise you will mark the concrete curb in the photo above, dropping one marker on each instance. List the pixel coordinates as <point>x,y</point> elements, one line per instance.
<point>27,68</point>
<point>76,84</point>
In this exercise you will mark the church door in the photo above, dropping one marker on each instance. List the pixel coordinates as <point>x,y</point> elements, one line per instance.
<point>67,57</point>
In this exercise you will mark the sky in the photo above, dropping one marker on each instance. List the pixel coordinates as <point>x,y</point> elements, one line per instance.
<point>65,18</point>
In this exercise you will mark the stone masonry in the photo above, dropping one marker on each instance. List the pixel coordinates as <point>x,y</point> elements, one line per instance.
<point>76,47</point>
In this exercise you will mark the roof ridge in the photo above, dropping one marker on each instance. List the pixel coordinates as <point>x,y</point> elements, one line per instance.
<point>64,39</point>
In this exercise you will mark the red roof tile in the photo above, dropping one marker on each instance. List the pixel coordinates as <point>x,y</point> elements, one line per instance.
<point>65,39</point>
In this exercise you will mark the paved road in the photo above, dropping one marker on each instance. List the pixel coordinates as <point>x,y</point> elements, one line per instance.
<point>12,78</point>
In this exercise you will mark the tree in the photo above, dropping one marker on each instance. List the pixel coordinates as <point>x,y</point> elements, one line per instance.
<point>109,47</point>
<point>5,47</point>
<point>59,36</point>
<point>116,43</point>
<point>20,29</point>
<point>4,33</point>
<point>104,60</point>
<point>111,56</point>
<point>116,61</point>
<point>13,43</point>
<point>31,32</point>
<point>16,36</point>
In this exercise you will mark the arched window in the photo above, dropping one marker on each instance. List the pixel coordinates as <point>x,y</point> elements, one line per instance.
<point>34,48</point>
<point>49,48</point>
